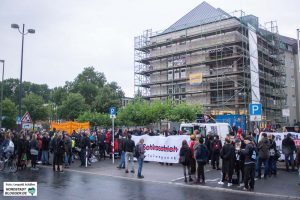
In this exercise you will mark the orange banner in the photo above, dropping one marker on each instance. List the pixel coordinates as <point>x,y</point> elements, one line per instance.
<point>70,126</point>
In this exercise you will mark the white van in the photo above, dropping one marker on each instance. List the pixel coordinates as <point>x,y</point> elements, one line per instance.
<point>221,129</point>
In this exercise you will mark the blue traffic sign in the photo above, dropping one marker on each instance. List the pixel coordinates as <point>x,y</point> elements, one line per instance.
<point>255,109</point>
<point>18,120</point>
<point>112,110</point>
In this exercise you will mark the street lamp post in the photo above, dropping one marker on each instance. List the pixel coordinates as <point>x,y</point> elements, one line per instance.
<point>298,45</point>
<point>23,33</point>
<point>2,83</point>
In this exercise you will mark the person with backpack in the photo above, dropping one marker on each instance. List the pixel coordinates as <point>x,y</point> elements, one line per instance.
<point>129,147</point>
<point>250,159</point>
<point>273,153</point>
<point>68,151</point>
<point>122,140</point>
<point>140,155</point>
<point>216,147</point>
<point>263,155</point>
<point>239,163</point>
<point>34,151</point>
<point>185,158</point>
<point>228,161</point>
<point>201,158</point>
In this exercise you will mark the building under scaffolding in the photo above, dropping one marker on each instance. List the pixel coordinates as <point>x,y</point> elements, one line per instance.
<point>219,60</point>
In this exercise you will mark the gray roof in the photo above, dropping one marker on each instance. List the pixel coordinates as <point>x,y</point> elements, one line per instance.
<point>202,14</point>
<point>288,40</point>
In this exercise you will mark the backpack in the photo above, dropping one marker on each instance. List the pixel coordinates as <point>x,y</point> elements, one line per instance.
<point>216,146</point>
<point>201,154</point>
<point>136,151</point>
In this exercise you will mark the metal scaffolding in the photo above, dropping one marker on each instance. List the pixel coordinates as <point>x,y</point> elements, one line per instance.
<point>164,63</point>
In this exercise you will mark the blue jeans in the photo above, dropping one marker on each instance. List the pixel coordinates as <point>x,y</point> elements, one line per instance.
<point>272,165</point>
<point>299,174</point>
<point>260,162</point>
<point>66,160</point>
<point>45,158</point>
<point>289,159</point>
<point>122,161</point>
<point>140,167</point>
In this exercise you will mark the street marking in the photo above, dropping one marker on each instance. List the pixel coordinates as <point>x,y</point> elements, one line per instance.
<point>177,179</point>
<point>204,187</point>
<point>212,180</point>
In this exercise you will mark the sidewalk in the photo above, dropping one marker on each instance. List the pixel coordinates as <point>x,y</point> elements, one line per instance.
<point>285,183</point>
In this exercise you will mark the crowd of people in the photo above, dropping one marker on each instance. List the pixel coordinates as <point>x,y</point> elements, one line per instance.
<point>37,147</point>
<point>242,157</point>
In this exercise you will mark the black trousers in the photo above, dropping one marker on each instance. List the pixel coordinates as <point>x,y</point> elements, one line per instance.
<point>200,171</point>
<point>193,166</point>
<point>215,158</point>
<point>239,170</point>
<point>33,160</point>
<point>249,176</point>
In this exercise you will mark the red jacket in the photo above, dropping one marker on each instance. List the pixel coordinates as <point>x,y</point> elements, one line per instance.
<point>192,143</point>
<point>107,137</point>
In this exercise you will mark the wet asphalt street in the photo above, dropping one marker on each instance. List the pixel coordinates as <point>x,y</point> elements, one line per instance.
<point>96,183</point>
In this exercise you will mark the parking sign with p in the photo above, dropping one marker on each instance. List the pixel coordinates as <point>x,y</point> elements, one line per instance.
<point>255,111</point>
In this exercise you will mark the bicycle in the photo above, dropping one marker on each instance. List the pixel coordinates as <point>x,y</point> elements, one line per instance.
<point>10,164</point>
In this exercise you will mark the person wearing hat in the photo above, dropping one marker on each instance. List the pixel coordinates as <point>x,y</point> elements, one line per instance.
<point>250,154</point>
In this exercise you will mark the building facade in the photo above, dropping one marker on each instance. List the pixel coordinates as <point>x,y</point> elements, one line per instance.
<point>219,60</point>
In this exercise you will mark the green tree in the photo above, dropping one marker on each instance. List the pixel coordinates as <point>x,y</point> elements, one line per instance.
<point>184,112</point>
<point>34,104</point>
<point>95,119</point>
<point>58,94</point>
<point>72,106</point>
<point>88,84</point>
<point>9,114</point>
<point>109,95</point>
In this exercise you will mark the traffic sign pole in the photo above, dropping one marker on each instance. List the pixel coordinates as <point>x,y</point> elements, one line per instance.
<point>113,140</point>
<point>112,112</point>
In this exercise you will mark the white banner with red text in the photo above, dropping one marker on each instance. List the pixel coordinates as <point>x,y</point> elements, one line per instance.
<point>162,149</point>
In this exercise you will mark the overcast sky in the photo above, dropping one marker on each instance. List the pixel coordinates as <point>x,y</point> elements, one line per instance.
<point>73,34</point>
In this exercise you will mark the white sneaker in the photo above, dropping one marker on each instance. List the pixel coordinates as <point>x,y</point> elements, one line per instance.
<point>242,184</point>
<point>229,184</point>
<point>221,183</point>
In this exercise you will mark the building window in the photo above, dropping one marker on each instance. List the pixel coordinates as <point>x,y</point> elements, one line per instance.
<point>170,90</point>
<point>179,60</point>
<point>169,43</point>
<point>154,45</point>
<point>170,62</point>
<point>183,89</point>
<point>170,75</point>
<point>182,73</point>
<point>182,40</point>
<point>176,74</point>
